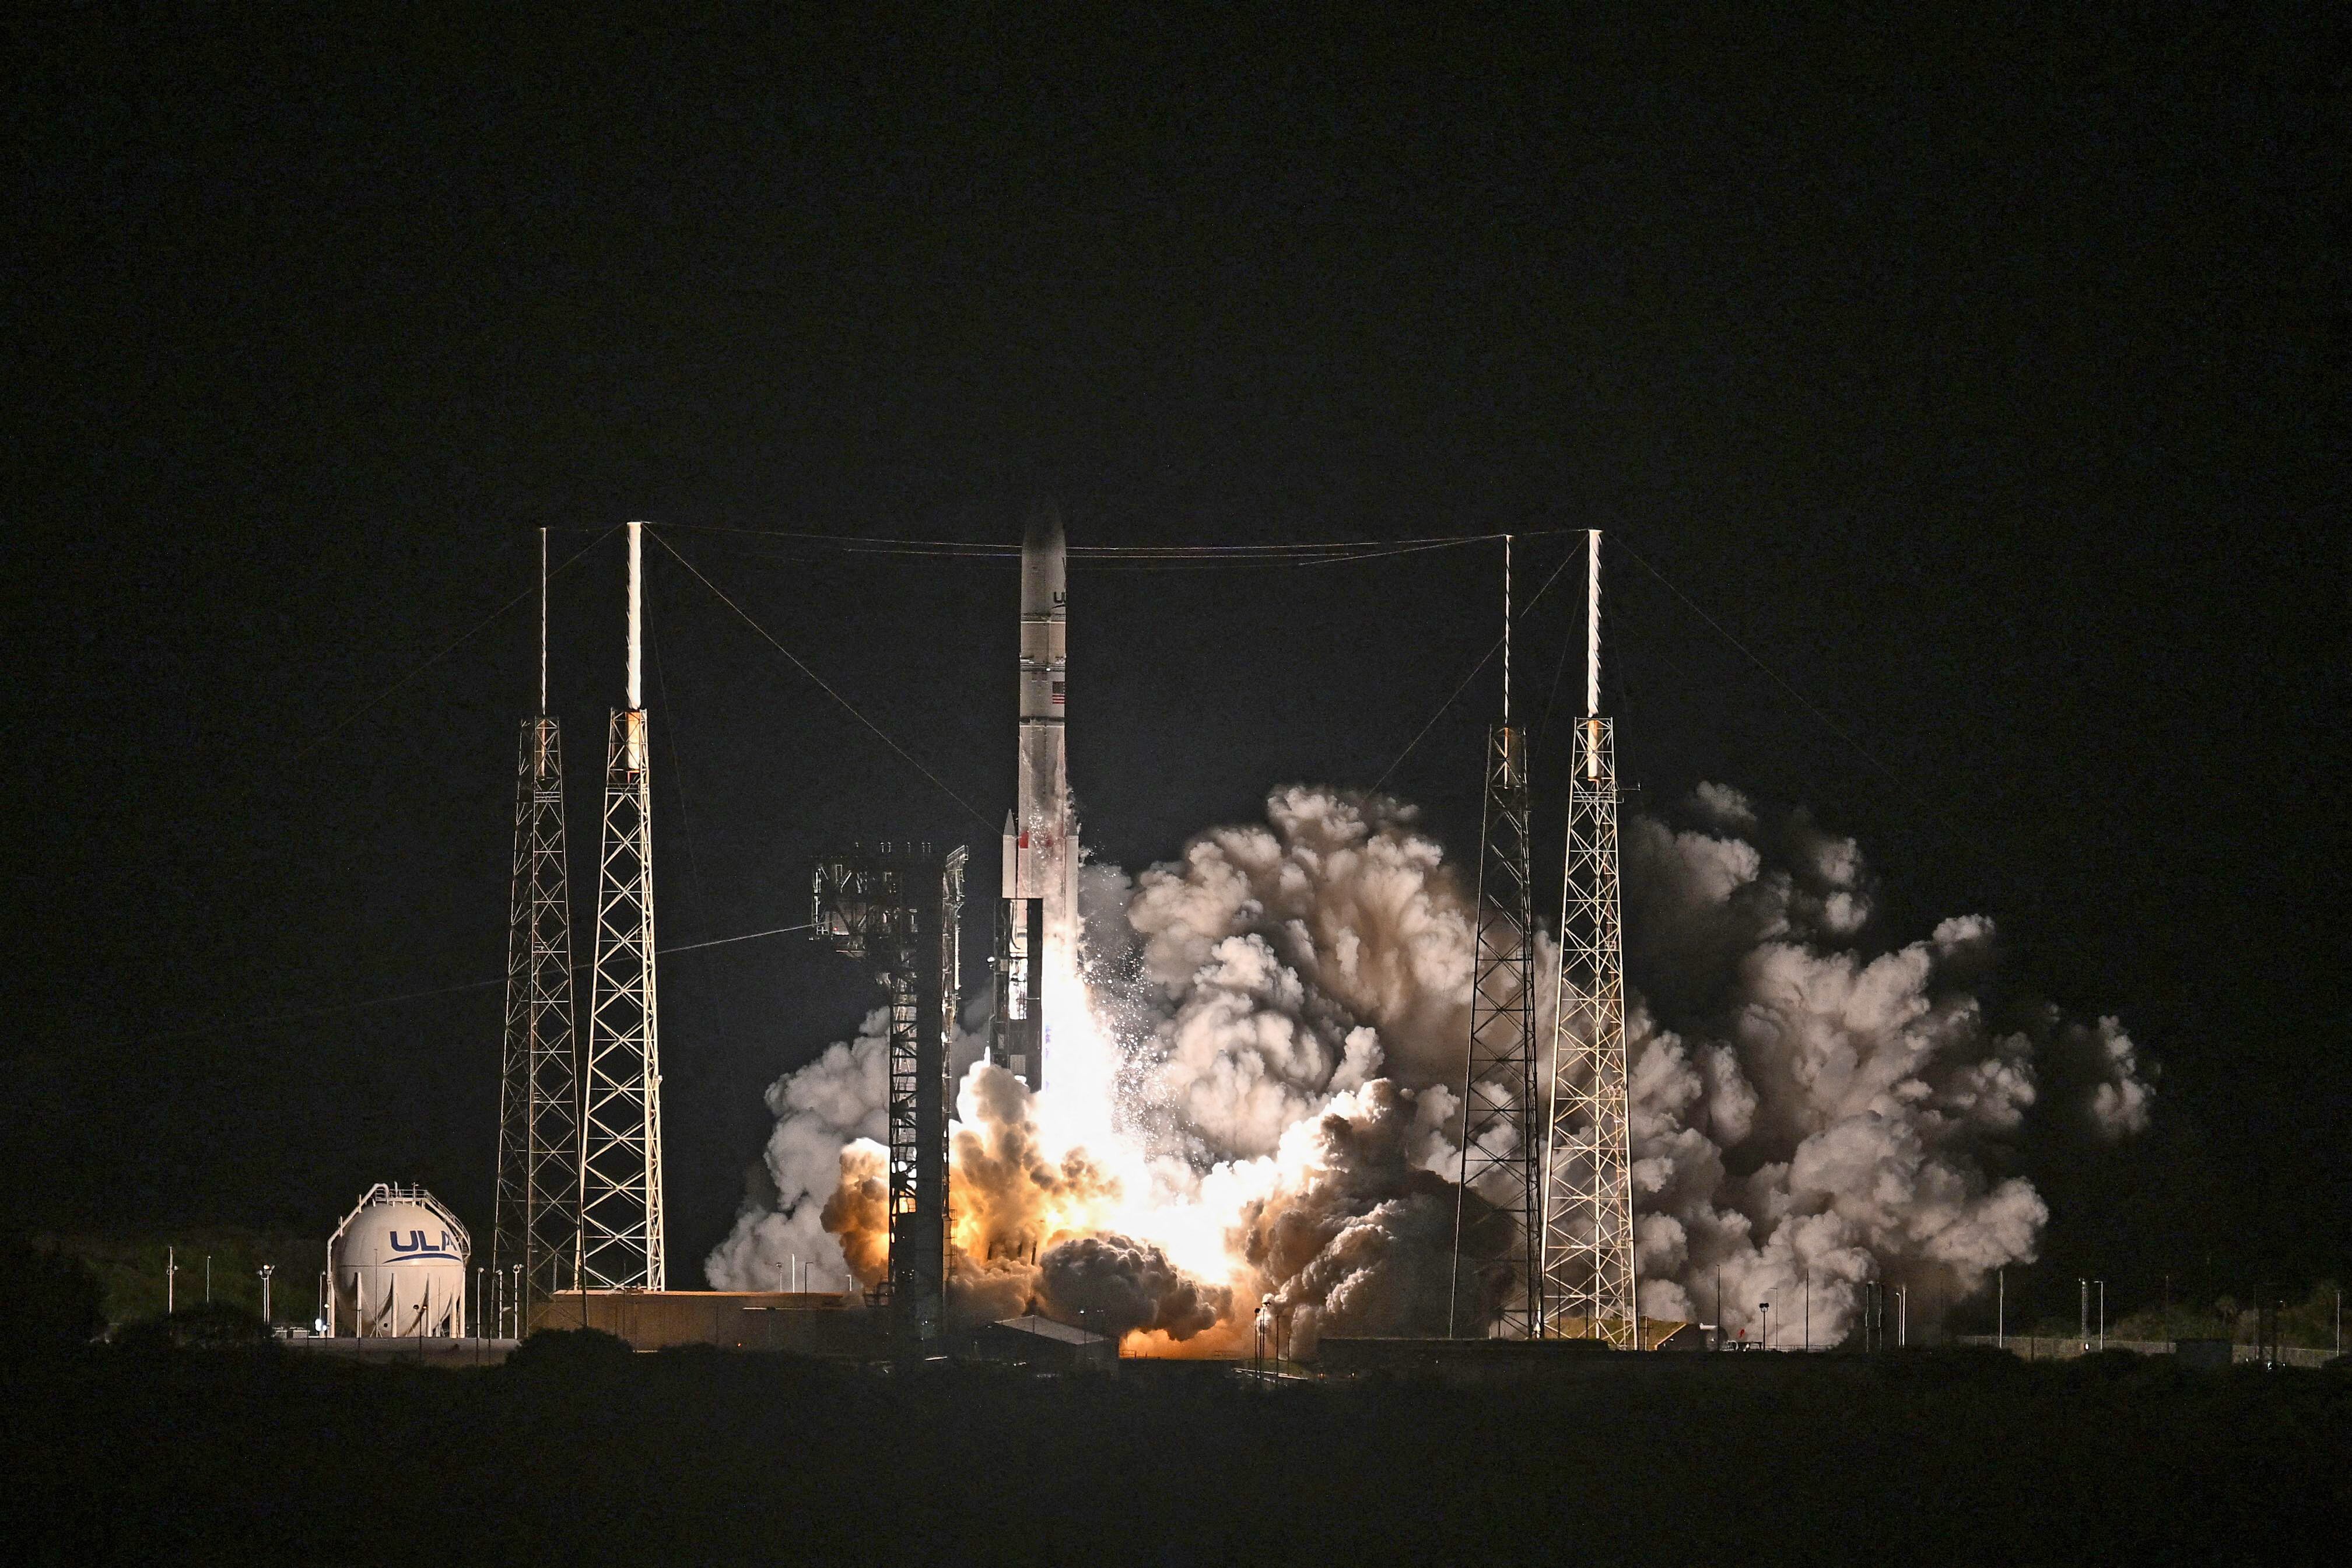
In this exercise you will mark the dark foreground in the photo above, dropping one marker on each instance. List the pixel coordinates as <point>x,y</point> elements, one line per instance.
<point>714,1456</point>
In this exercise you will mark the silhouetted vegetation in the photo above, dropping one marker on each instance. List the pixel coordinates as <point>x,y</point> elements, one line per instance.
<point>577,1455</point>
<point>207,1325</point>
<point>574,1352</point>
<point>49,1300</point>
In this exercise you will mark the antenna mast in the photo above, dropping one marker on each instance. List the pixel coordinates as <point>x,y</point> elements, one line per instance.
<point>1506,631</point>
<point>1588,1230</point>
<point>537,1224</point>
<point>620,1159</point>
<point>1497,1247</point>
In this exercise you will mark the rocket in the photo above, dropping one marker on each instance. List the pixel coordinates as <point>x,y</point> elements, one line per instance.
<point>1037,923</point>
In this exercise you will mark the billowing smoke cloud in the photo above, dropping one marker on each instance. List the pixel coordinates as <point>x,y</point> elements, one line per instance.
<point>857,1215</point>
<point>1288,1006</point>
<point>2119,1101</point>
<point>821,1109</point>
<point>1304,957</point>
<point>1117,1286</point>
<point>1810,1112</point>
<point>1012,1196</point>
<point>1356,1231</point>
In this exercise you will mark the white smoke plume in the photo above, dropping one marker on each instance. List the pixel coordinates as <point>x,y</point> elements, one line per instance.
<point>1811,1111</point>
<point>829,1123</point>
<point>1284,1011</point>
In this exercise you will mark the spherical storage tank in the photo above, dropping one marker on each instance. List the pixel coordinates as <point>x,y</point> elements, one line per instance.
<point>399,1264</point>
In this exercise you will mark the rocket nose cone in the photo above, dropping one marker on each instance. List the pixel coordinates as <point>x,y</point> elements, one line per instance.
<point>1044,532</point>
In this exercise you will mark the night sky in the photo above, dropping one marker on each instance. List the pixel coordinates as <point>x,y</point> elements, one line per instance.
<point>1987,383</point>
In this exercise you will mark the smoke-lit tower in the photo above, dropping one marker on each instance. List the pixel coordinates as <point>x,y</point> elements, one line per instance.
<point>620,1147</point>
<point>1497,1245</point>
<point>537,1219</point>
<point>1588,1191</point>
<point>903,905</point>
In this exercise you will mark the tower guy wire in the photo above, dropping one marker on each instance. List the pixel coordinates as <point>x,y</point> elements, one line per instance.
<point>822,685</point>
<point>1456,694</point>
<point>475,630</point>
<point>266,1020</point>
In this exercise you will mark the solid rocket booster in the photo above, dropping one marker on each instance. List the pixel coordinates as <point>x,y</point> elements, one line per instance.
<point>1038,934</point>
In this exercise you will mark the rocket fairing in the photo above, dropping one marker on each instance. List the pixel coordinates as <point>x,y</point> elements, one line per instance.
<point>1037,925</point>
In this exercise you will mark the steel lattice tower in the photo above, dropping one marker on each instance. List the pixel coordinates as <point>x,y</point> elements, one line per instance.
<point>1496,1232</point>
<point>905,907</point>
<point>537,1222</point>
<point>1588,1233</point>
<point>620,1148</point>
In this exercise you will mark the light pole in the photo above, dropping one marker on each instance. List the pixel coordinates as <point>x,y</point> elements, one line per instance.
<point>171,1281</point>
<point>1764,1334</point>
<point>2083,1315</point>
<point>1809,1308</point>
<point>518,1301</point>
<point>2102,1313</point>
<point>265,1271</point>
<point>1265,1317</point>
<point>208,1279</point>
<point>481,1300</point>
<point>2000,1309</point>
<point>1902,1317</point>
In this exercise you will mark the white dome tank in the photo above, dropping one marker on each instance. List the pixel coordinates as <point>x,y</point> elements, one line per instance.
<point>399,1262</point>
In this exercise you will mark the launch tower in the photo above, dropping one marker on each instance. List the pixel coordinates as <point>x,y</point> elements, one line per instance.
<point>904,905</point>
<point>620,1150</point>
<point>537,1223</point>
<point>1588,1233</point>
<point>1497,1242</point>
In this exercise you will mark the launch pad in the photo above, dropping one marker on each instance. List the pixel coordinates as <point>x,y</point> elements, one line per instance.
<point>804,1322</point>
<point>1547,1234</point>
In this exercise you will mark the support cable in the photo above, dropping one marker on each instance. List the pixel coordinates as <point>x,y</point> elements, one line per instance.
<point>823,685</point>
<point>1120,561</point>
<point>1455,696</point>
<point>676,767</point>
<point>477,628</point>
<point>1774,676</point>
<point>439,991</point>
<point>1308,552</point>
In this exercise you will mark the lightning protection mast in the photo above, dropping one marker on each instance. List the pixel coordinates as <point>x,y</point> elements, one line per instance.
<point>537,1219</point>
<point>1588,1231</point>
<point>1497,1244</point>
<point>620,1147</point>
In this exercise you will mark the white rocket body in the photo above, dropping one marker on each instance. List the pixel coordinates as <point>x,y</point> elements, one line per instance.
<point>1038,945</point>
